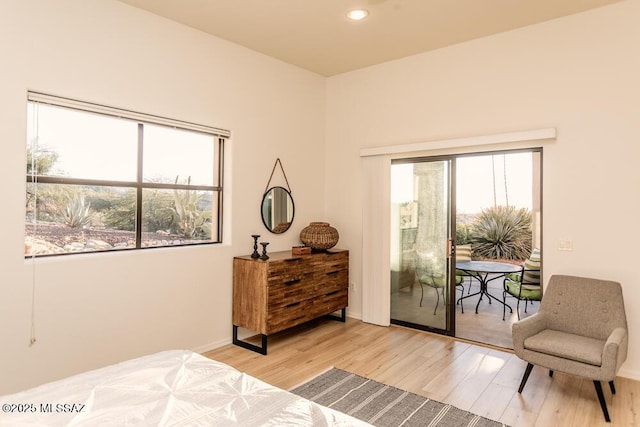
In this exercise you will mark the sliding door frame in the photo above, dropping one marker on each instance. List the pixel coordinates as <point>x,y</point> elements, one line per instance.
<point>451,232</point>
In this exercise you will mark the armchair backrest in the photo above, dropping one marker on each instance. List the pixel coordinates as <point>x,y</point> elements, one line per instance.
<point>463,252</point>
<point>531,272</point>
<point>583,306</point>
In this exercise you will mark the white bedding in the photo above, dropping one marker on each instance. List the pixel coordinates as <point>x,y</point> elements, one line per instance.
<point>171,388</point>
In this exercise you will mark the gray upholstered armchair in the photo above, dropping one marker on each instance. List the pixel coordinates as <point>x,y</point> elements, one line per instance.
<point>580,329</point>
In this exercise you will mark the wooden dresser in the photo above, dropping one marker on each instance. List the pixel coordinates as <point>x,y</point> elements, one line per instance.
<point>287,290</point>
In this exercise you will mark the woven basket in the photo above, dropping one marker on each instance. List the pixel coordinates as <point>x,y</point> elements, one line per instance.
<point>319,235</point>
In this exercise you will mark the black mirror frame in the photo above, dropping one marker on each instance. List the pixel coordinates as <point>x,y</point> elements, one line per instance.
<point>293,210</point>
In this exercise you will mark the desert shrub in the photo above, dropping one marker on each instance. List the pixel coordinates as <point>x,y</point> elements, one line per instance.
<point>121,211</point>
<point>157,211</point>
<point>502,232</point>
<point>42,162</point>
<point>48,202</point>
<point>463,235</point>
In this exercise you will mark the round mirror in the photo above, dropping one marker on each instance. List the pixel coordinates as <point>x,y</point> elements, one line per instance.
<point>277,209</point>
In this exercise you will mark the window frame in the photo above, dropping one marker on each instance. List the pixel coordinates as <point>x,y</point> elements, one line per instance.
<point>219,137</point>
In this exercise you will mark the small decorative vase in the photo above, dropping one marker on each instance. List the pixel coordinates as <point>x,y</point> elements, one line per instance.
<point>319,236</point>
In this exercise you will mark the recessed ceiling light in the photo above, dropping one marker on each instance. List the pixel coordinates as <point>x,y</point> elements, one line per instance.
<point>357,14</point>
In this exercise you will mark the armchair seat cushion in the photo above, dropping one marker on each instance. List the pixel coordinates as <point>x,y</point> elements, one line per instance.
<point>567,346</point>
<point>529,292</point>
<point>436,281</point>
<point>514,277</point>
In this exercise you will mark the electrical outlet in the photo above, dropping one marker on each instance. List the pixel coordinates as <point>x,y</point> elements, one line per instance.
<point>352,286</point>
<point>565,245</point>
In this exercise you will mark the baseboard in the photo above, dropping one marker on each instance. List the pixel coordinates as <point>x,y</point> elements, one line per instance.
<point>357,316</point>
<point>629,373</point>
<point>211,346</point>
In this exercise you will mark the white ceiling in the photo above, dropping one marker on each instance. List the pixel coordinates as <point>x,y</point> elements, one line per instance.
<point>317,36</point>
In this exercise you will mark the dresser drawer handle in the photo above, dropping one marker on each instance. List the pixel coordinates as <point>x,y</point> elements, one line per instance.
<point>332,293</point>
<point>291,282</point>
<point>292,259</point>
<point>293,304</point>
<point>329,273</point>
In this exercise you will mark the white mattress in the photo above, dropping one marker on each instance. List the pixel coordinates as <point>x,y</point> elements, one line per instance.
<point>171,388</point>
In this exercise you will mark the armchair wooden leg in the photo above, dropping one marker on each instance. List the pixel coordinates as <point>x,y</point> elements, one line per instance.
<point>612,387</point>
<point>603,403</point>
<point>527,372</point>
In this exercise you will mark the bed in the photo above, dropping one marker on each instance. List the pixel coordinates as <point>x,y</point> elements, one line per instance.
<point>170,388</point>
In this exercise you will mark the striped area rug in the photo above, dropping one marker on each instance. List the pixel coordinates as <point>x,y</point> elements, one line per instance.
<point>383,405</point>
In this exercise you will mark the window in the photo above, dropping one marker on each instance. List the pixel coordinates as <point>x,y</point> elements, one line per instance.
<point>102,179</point>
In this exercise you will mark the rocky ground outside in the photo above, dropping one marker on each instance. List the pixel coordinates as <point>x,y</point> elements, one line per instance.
<point>51,238</point>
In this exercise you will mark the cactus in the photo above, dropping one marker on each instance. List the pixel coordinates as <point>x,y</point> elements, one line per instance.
<point>192,222</point>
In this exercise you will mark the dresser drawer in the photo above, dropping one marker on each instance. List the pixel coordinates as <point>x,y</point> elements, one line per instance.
<point>336,279</point>
<point>297,312</point>
<point>329,262</point>
<point>331,301</point>
<point>285,317</point>
<point>286,270</point>
<point>301,288</point>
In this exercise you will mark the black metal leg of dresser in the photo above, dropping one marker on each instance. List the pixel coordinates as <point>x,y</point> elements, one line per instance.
<point>342,317</point>
<point>249,346</point>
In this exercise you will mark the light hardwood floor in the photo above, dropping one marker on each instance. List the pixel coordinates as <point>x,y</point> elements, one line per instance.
<point>481,379</point>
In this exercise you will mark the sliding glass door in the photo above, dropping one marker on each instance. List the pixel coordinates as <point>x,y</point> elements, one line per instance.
<point>489,203</point>
<point>422,291</point>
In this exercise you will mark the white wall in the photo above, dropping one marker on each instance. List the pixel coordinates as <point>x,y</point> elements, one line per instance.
<point>92,310</point>
<point>578,74</point>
